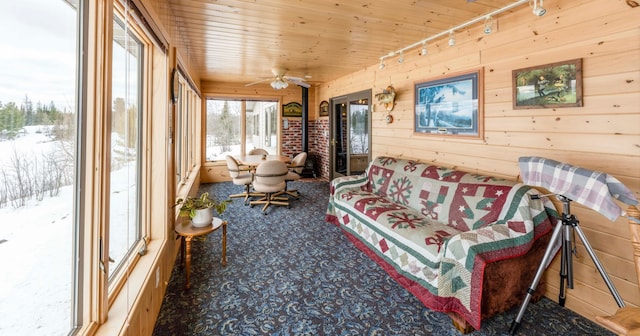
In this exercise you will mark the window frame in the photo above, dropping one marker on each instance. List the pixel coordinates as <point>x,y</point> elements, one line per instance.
<point>243,121</point>
<point>115,282</point>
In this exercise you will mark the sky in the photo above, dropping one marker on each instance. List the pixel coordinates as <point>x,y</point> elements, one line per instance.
<point>38,52</point>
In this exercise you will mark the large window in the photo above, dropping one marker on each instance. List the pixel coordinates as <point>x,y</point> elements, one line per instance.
<point>38,180</point>
<point>187,111</point>
<point>236,126</point>
<point>179,130</point>
<point>126,123</point>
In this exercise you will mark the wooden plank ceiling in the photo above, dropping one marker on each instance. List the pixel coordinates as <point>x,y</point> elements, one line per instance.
<point>241,41</point>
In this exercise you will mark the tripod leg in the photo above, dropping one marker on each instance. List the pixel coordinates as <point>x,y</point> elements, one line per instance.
<point>546,259</point>
<point>566,267</point>
<point>599,266</point>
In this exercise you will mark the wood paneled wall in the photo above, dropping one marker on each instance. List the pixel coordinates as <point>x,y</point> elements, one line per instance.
<point>602,135</point>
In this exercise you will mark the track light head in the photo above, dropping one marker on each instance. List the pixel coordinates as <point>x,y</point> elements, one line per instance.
<point>381,64</point>
<point>401,59</point>
<point>488,25</point>
<point>538,10</point>
<point>423,51</point>
<point>452,40</point>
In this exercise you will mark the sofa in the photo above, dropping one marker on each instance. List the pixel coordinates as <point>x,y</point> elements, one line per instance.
<point>464,244</point>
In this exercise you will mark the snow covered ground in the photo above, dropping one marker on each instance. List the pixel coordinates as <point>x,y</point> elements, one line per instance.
<point>36,244</point>
<point>35,255</point>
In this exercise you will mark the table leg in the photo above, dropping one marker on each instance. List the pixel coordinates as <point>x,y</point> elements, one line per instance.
<point>224,243</point>
<point>182,243</point>
<point>188,261</point>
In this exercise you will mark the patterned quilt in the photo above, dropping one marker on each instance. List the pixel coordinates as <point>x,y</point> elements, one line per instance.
<point>438,227</point>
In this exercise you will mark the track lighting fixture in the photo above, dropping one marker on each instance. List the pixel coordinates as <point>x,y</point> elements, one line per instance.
<point>488,25</point>
<point>538,9</point>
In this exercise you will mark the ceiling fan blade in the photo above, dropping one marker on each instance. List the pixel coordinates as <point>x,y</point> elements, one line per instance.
<point>260,81</point>
<point>303,84</point>
<point>297,81</point>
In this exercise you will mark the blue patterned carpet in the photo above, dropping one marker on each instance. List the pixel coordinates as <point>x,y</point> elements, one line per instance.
<point>291,273</point>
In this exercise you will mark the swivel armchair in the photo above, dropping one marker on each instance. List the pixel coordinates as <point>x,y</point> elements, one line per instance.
<point>241,175</point>
<point>294,174</point>
<point>258,151</point>
<point>269,179</point>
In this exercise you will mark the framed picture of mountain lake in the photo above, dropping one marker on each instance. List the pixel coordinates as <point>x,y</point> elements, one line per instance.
<point>548,86</point>
<point>450,105</point>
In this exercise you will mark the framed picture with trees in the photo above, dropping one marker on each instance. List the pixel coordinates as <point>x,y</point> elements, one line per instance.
<point>548,86</point>
<point>451,105</point>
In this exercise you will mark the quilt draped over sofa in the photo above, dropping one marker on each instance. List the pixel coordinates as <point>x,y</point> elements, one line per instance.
<point>434,229</point>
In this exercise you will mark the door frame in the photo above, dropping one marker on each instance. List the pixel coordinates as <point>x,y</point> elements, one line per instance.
<point>364,94</point>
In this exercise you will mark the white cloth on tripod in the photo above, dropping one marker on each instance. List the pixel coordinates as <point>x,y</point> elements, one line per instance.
<point>593,189</point>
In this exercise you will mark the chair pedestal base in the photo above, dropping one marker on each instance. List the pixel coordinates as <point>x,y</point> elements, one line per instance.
<point>292,193</point>
<point>270,199</point>
<point>247,194</point>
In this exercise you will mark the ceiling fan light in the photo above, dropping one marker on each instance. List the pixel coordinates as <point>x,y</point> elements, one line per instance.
<point>279,84</point>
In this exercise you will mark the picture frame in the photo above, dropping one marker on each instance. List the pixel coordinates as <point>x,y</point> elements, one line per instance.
<point>451,105</point>
<point>548,86</point>
<point>292,109</point>
<point>324,108</point>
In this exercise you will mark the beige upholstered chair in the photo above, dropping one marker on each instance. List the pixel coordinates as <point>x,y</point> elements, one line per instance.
<point>241,175</point>
<point>258,151</point>
<point>269,179</point>
<point>295,170</point>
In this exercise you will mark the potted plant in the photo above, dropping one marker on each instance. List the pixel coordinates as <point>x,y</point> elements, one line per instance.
<point>199,209</point>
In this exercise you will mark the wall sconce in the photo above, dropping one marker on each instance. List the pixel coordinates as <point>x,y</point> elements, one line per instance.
<point>452,39</point>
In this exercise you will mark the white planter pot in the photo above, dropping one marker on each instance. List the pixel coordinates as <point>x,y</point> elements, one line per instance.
<point>202,218</point>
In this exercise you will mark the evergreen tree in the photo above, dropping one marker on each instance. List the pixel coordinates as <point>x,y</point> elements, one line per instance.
<point>11,119</point>
<point>27,109</point>
<point>224,128</point>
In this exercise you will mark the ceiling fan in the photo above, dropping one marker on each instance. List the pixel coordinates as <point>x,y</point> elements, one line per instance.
<point>281,80</point>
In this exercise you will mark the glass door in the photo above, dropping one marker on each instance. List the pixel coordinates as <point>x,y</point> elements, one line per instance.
<point>358,135</point>
<point>339,137</point>
<point>350,136</point>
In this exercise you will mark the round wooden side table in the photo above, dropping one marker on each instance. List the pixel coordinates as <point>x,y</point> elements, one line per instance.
<point>187,232</point>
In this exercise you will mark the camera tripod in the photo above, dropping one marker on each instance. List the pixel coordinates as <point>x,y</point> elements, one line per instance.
<point>562,231</point>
